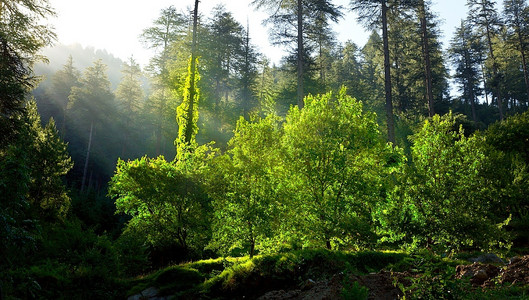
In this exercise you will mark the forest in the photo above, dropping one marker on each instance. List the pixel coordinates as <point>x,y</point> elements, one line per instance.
<point>397,169</point>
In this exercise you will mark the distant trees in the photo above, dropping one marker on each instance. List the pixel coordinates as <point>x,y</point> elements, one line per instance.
<point>129,96</point>
<point>63,82</point>
<point>94,100</point>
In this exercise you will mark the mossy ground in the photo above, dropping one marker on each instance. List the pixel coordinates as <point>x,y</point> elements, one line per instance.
<point>429,276</point>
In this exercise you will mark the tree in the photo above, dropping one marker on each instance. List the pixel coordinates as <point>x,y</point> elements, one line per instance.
<point>244,188</point>
<point>95,102</point>
<point>63,82</point>
<point>333,155</point>
<point>187,112</point>
<point>422,12</point>
<point>483,16</point>
<point>170,27</point>
<point>444,201</point>
<point>289,19</point>
<point>165,199</point>
<point>129,95</point>
<point>49,163</point>
<point>21,38</point>
<point>225,45</point>
<point>248,76</point>
<point>372,13</point>
<point>516,18</point>
<point>465,52</point>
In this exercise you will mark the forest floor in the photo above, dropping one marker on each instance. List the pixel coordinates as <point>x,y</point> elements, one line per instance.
<point>320,274</point>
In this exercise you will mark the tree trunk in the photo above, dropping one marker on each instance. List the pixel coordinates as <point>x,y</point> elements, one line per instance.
<point>300,54</point>
<point>426,56</point>
<point>87,156</point>
<point>328,244</point>
<point>188,135</point>
<point>387,76</point>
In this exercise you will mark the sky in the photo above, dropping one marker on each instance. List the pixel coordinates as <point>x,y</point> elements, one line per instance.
<point>115,25</point>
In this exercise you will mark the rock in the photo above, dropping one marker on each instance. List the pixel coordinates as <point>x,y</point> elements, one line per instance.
<point>514,260</point>
<point>150,293</point>
<point>308,285</point>
<point>488,258</point>
<point>480,276</point>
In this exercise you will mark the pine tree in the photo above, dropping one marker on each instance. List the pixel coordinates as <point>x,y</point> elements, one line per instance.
<point>290,23</point>
<point>63,82</point>
<point>129,95</point>
<point>94,102</point>
<point>516,14</point>
<point>483,16</point>
<point>372,13</point>
<point>464,53</point>
<point>21,38</point>
<point>170,27</point>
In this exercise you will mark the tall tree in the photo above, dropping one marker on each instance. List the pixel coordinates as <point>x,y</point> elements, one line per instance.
<point>21,38</point>
<point>516,14</point>
<point>465,55</point>
<point>93,101</point>
<point>225,44</point>
<point>170,27</point>
<point>248,76</point>
<point>129,95</point>
<point>62,83</point>
<point>483,16</point>
<point>372,13</point>
<point>331,147</point>
<point>422,12</point>
<point>187,112</point>
<point>289,19</point>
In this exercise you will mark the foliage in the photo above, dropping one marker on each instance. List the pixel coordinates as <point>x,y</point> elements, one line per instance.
<point>354,291</point>
<point>165,200</point>
<point>187,112</point>
<point>444,200</point>
<point>333,157</point>
<point>245,200</point>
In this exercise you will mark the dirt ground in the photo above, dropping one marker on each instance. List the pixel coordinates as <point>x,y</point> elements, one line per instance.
<point>381,285</point>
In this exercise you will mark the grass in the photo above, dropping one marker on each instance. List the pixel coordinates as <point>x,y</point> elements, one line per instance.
<point>229,278</point>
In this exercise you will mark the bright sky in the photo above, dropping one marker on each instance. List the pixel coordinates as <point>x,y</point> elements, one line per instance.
<point>115,25</point>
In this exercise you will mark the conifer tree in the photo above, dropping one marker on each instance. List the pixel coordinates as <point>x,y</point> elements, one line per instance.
<point>465,55</point>
<point>94,102</point>
<point>290,22</point>
<point>484,17</point>
<point>372,13</point>
<point>516,14</point>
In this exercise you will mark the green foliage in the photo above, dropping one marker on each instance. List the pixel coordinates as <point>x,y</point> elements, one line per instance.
<point>68,262</point>
<point>444,200</point>
<point>334,156</point>
<point>434,279</point>
<point>165,200</point>
<point>243,183</point>
<point>187,112</point>
<point>354,291</point>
